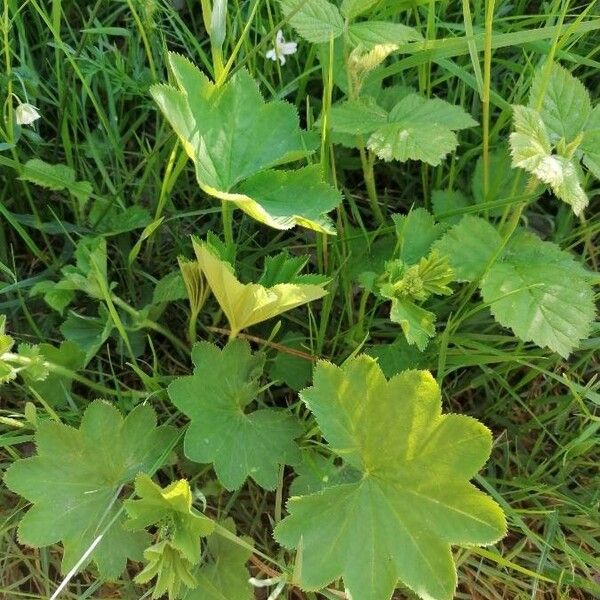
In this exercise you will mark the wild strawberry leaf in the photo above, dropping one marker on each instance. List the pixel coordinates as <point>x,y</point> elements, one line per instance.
<point>470,246</point>
<point>246,304</point>
<point>414,499</point>
<point>235,139</point>
<point>541,293</point>
<point>315,20</point>
<point>591,143</point>
<point>238,442</point>
<point>74,481</point>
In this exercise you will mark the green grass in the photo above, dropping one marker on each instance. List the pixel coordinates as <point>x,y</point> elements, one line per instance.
<point>88,66</point>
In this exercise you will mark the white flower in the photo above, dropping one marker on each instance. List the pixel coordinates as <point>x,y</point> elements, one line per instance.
<point>282,48</point>
<point>26,114</point>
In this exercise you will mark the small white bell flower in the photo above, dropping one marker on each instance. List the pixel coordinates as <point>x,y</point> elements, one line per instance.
<point>281,49</point>
<point>26,114</point>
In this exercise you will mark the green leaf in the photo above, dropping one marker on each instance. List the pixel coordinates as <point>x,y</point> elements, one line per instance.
<point>37,370</point>
<point>171,569</point>
<point>413,500</point>
<point>353,8</point>
<point>170,288</point>
<point>224,575</point>
<point>284,268</point>
<point>55,389</point>
<point>57,295</point>
<point>418,324</point>
<point>419,129</point>
<point>293,370</point>
<point>565,103</point>
<point>215,398</point>
<point>541,293</point>
<point>75,478</point>
<point>89,333</point>
<point>170,507</point>
<point>251,303</point>
<point>531,150</point>
<point>416,232</point>
<point>317,472</point>
<point>235,139</point>
<point>445,201</point>
<point>591,142</point>
<point>470,246</point>
<point>56,178</point>
<point>396,357</point>
<point>357,116</point>
<point>373,33</point>
<point>315,20</point>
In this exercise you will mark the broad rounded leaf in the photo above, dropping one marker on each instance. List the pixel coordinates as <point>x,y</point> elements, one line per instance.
<point>541,293</point>
<point>414,499</point>
<point>240,444</point>
<point>73,481</point>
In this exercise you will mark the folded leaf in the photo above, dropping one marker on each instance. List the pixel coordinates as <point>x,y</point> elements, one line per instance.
<point>246,304</point>
<point>414,498</point>
<point>235,139</point>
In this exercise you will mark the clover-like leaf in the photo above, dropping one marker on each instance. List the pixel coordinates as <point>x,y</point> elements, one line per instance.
<point>541,293</point>
<point>414,499</point>
<point>74,480</point>
<point>246,304</point>
<point>235,139</point>
<point>222,432</point>
<point>171,508</point>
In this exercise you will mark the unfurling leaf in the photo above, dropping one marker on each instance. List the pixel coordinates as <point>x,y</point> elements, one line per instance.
<point>74,480</point>
<point>396,523</point>
<point>239,443</point>
<point>236,139</point>
<point>171,509</point>
<point>246,304</point>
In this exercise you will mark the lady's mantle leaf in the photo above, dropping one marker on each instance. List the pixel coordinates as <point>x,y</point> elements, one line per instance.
<point>414,499</point>
<point>541,293</point>
<point>172,507</point>
<point>238,443</point>
<point>74,480</point>
<point>251,303</point>
<point>235,139</point>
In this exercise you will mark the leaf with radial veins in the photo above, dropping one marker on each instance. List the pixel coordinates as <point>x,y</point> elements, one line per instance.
<point>246,304</point>
<point>414,499</point>
<point>75,478</point>
<point>236,139</point>
<point>239,443</point>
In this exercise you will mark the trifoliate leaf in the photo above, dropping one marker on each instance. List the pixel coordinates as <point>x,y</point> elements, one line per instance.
<point>224,575</point>
<point>284,268</point>
<point>353,8</point>
<point>419,129</point>
<point>89,333</point>
<point>531,150</point>
<point>222,432</point>
<point>251,303</point>
<point>171,569</point>
<point>541,293</point>
<point>89,274</point>
<point>235,139</point>
<point>74,480</point>
<point>357,116</point>
<point>57,295</point>
<point>565,103</point>
<point>316,21</point>
<point>416,232</point>
<point>171,509</point>
<point>413,500</point>
<point>470,246</point>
